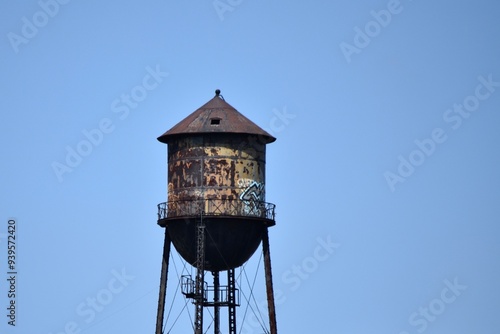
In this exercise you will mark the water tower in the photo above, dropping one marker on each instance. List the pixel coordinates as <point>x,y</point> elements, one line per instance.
<point>216,215</point>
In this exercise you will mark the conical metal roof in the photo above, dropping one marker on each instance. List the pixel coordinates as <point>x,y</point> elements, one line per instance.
<point>215,116</point>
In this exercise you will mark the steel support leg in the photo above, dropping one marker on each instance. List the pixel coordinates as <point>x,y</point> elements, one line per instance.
<point>200,276</point>
<point>163,284</point>
<point>269,282</point>
<point>231,282</point>
<point>216,302</point>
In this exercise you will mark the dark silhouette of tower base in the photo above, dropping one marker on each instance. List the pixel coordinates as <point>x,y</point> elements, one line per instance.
<point>216,215</point>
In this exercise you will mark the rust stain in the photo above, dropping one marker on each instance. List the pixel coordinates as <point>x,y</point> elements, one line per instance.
<point>222,169</point>
<point>230,121</point>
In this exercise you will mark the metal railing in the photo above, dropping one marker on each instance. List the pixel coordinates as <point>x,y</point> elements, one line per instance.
<point>216,207</point>
<point>188,289</point>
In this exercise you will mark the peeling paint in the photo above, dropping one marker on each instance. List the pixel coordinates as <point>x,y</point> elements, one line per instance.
<point>217,167</point>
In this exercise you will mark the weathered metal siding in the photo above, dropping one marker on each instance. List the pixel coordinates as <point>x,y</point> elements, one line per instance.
<point>228,170</point>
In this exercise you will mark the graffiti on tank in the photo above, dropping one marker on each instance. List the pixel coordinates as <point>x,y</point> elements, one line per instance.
<point>252,196</point>
<point>253,192</point>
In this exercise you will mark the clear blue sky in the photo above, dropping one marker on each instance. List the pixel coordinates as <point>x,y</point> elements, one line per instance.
<point>385,172</point>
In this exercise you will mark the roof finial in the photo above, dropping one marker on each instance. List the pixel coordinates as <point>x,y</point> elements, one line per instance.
<point>217,93</point>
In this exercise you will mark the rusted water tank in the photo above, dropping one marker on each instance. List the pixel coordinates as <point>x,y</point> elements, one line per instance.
<point>216,172</point>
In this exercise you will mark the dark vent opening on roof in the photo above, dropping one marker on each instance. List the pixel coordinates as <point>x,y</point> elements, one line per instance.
<point>215,121</point>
